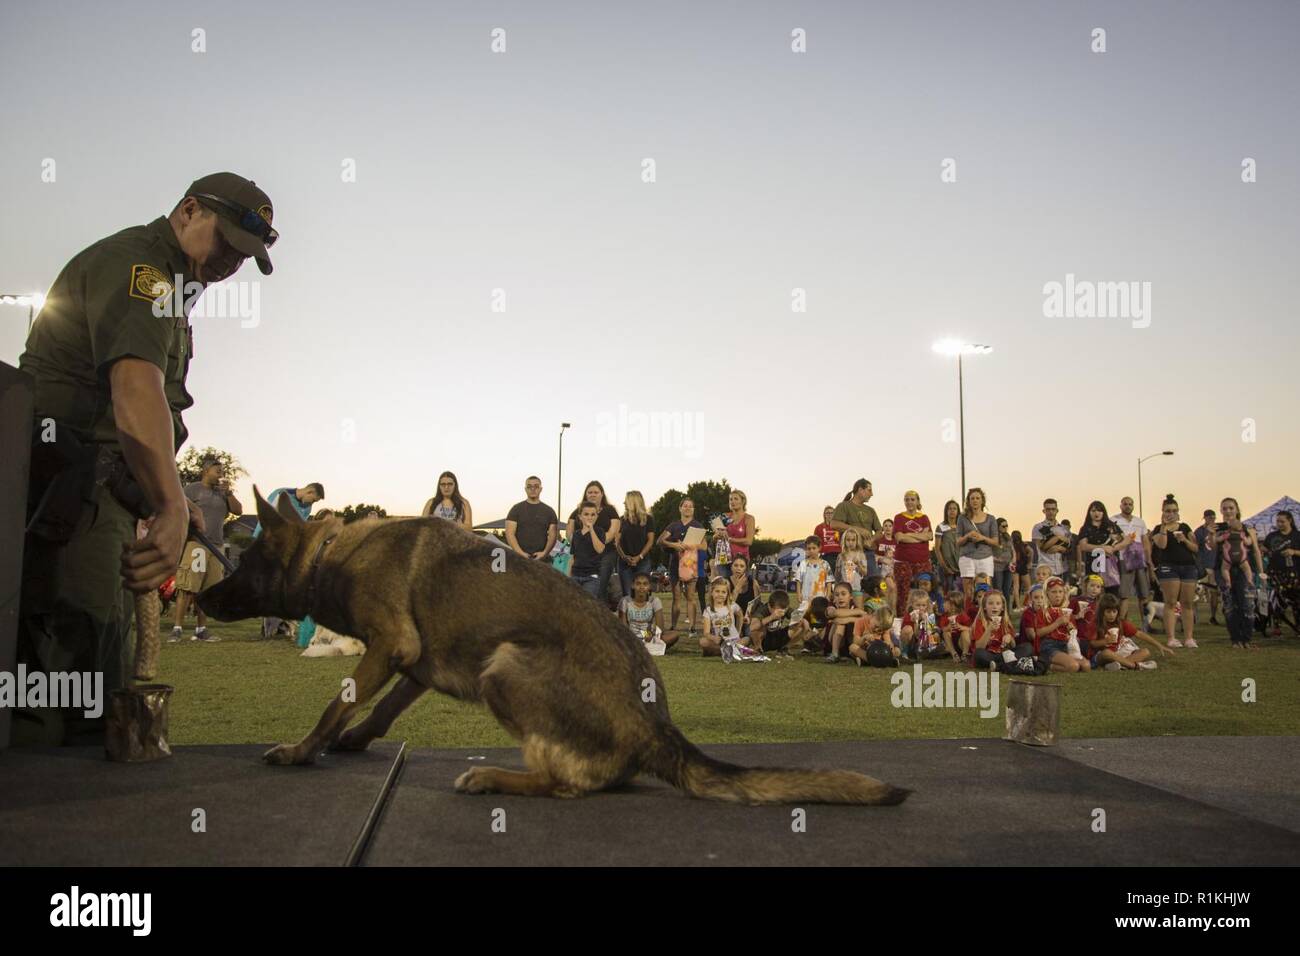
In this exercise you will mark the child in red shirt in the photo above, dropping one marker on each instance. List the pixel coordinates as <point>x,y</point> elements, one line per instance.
<point>954,625</point>
<point>1114,642</point>
<point>1048,628</point>
<point>992,638</point>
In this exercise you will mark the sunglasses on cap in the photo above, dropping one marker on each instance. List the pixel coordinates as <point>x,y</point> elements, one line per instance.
<point>248,220</point>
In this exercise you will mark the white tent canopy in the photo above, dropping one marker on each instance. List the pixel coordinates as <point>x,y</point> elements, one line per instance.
<point>1263,522</point>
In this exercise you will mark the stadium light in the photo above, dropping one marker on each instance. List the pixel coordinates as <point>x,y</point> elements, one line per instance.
<point>958,347</point>
<point>32,300</point>
<point>1140,460</point>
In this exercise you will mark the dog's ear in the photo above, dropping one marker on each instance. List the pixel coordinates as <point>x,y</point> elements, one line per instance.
<point>266,513</point>
<point>287,511</point>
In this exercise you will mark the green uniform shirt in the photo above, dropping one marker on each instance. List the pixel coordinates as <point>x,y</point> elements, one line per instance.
<point>860,516</point>
<point>101,309</point>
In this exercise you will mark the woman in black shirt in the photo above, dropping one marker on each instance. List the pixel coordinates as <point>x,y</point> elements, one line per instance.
<point>1099,533</point>
<point>1283,547</point>
<point>607,524</point>
<point>635,538</point>
<point>1173,554</point>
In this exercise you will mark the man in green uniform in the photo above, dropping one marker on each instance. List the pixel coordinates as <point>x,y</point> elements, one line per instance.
<point>109,354</point>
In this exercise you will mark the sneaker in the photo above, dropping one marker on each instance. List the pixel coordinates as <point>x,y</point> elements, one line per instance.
<point>201,634</point>
<point>1147,665</point>
<point>728,652</point>
<point>833,659</point>
<point>1114,666</point>
<point>1190,642</point>
<point>1174,642</point>
<point>176,636</point>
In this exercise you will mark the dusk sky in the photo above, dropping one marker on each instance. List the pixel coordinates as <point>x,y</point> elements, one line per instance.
<point>380,353</point>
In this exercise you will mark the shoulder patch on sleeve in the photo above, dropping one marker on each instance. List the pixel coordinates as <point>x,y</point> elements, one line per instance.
<point>148,283</point>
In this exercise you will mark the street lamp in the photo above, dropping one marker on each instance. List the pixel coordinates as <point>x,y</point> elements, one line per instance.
<point>33,301</point>
<point>1140,460</point>
<point>959,348</point>
<point>559,499</point>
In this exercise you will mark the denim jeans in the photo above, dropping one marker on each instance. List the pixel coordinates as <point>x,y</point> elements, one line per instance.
<point>627,572</point>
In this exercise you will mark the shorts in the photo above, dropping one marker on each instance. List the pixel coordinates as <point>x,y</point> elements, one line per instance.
<point>1178,572</point>
<point>776,639</point>
<point>1050,648</point>
<point>969,567</point>
<point>198,570</point>
<point>1135,584</point>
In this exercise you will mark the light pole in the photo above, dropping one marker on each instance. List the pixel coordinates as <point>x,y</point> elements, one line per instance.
<point>33,301</point>
<point>959,348</point>
<point>559,478</point>
<point>1140,460</point>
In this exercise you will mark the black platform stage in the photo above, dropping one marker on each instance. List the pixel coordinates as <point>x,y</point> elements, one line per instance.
<point>1208,801</point>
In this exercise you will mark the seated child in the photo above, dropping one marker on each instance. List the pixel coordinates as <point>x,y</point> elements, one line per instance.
<point>873,640</point>
<point>721,622</point>
<point>952,623</point>
<point>920,636</point>
<point>643,613</point>
<point>1057,597</point>
<point>843,616</point>
<point>1049,627</point>
<point>773,630</point>
<point>1114,644</point>
<point>992,638</point>
<point>1084,611</point>
<point>813,618</point>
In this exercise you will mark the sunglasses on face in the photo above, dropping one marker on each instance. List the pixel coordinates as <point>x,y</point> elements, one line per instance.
<point>247,220</point>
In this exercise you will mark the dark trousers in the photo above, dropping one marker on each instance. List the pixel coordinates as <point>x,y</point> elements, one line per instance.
<point>1239,605</point>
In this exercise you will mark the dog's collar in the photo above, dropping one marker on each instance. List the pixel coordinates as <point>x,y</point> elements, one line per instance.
<point>315,566</point>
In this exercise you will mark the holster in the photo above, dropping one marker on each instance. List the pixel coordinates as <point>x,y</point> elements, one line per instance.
<point>62,484</point>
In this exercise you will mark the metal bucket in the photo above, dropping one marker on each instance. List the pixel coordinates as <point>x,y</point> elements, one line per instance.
<point>1033,713</point>
<point>136,729</point>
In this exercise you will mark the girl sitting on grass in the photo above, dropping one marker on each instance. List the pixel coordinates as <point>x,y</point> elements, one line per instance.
<point>920,637</point>
<point>873,640</point>
<point>953,624</point>
<point>1048,628</point>
<point>992,639</point>
<point>644,613</point>
<point>843,615</point>
<point>721,622</point>
<point>1058,596</point>
<point>1115,646</point>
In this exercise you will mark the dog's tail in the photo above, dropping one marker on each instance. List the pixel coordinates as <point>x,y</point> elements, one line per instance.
<point>679,762</point>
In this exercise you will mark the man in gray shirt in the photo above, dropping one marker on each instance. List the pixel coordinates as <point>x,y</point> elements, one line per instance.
<point>210,496</point>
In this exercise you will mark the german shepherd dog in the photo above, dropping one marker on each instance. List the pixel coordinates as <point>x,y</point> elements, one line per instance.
<point>448,610</point>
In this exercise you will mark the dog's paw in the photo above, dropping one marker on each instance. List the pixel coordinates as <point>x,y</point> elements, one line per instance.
<point>351,740</point>
<point>284,755</point>
<point>475,780</point>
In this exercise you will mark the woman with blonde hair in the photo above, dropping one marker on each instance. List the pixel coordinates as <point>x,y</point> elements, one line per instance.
<point>633,540</point>
<point>912,536</point>
<point>739,529</point>
<point>977,535</point>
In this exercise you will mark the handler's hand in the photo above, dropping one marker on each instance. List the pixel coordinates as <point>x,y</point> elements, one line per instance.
<point>147,563</point>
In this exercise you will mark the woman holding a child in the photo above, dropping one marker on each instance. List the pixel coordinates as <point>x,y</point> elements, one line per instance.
<point>1236,561</point>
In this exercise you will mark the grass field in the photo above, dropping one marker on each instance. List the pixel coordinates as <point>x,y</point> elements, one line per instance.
<point>245,690</point>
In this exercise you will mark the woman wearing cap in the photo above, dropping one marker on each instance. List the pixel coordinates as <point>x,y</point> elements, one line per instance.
<point>912,536</point>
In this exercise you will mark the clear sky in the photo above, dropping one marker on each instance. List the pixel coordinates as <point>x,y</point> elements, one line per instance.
<point>377,359</point>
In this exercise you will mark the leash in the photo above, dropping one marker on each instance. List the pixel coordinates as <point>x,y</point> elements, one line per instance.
<point>315,567</point>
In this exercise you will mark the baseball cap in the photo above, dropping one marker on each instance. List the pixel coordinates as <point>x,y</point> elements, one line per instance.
<point>244,214</point>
